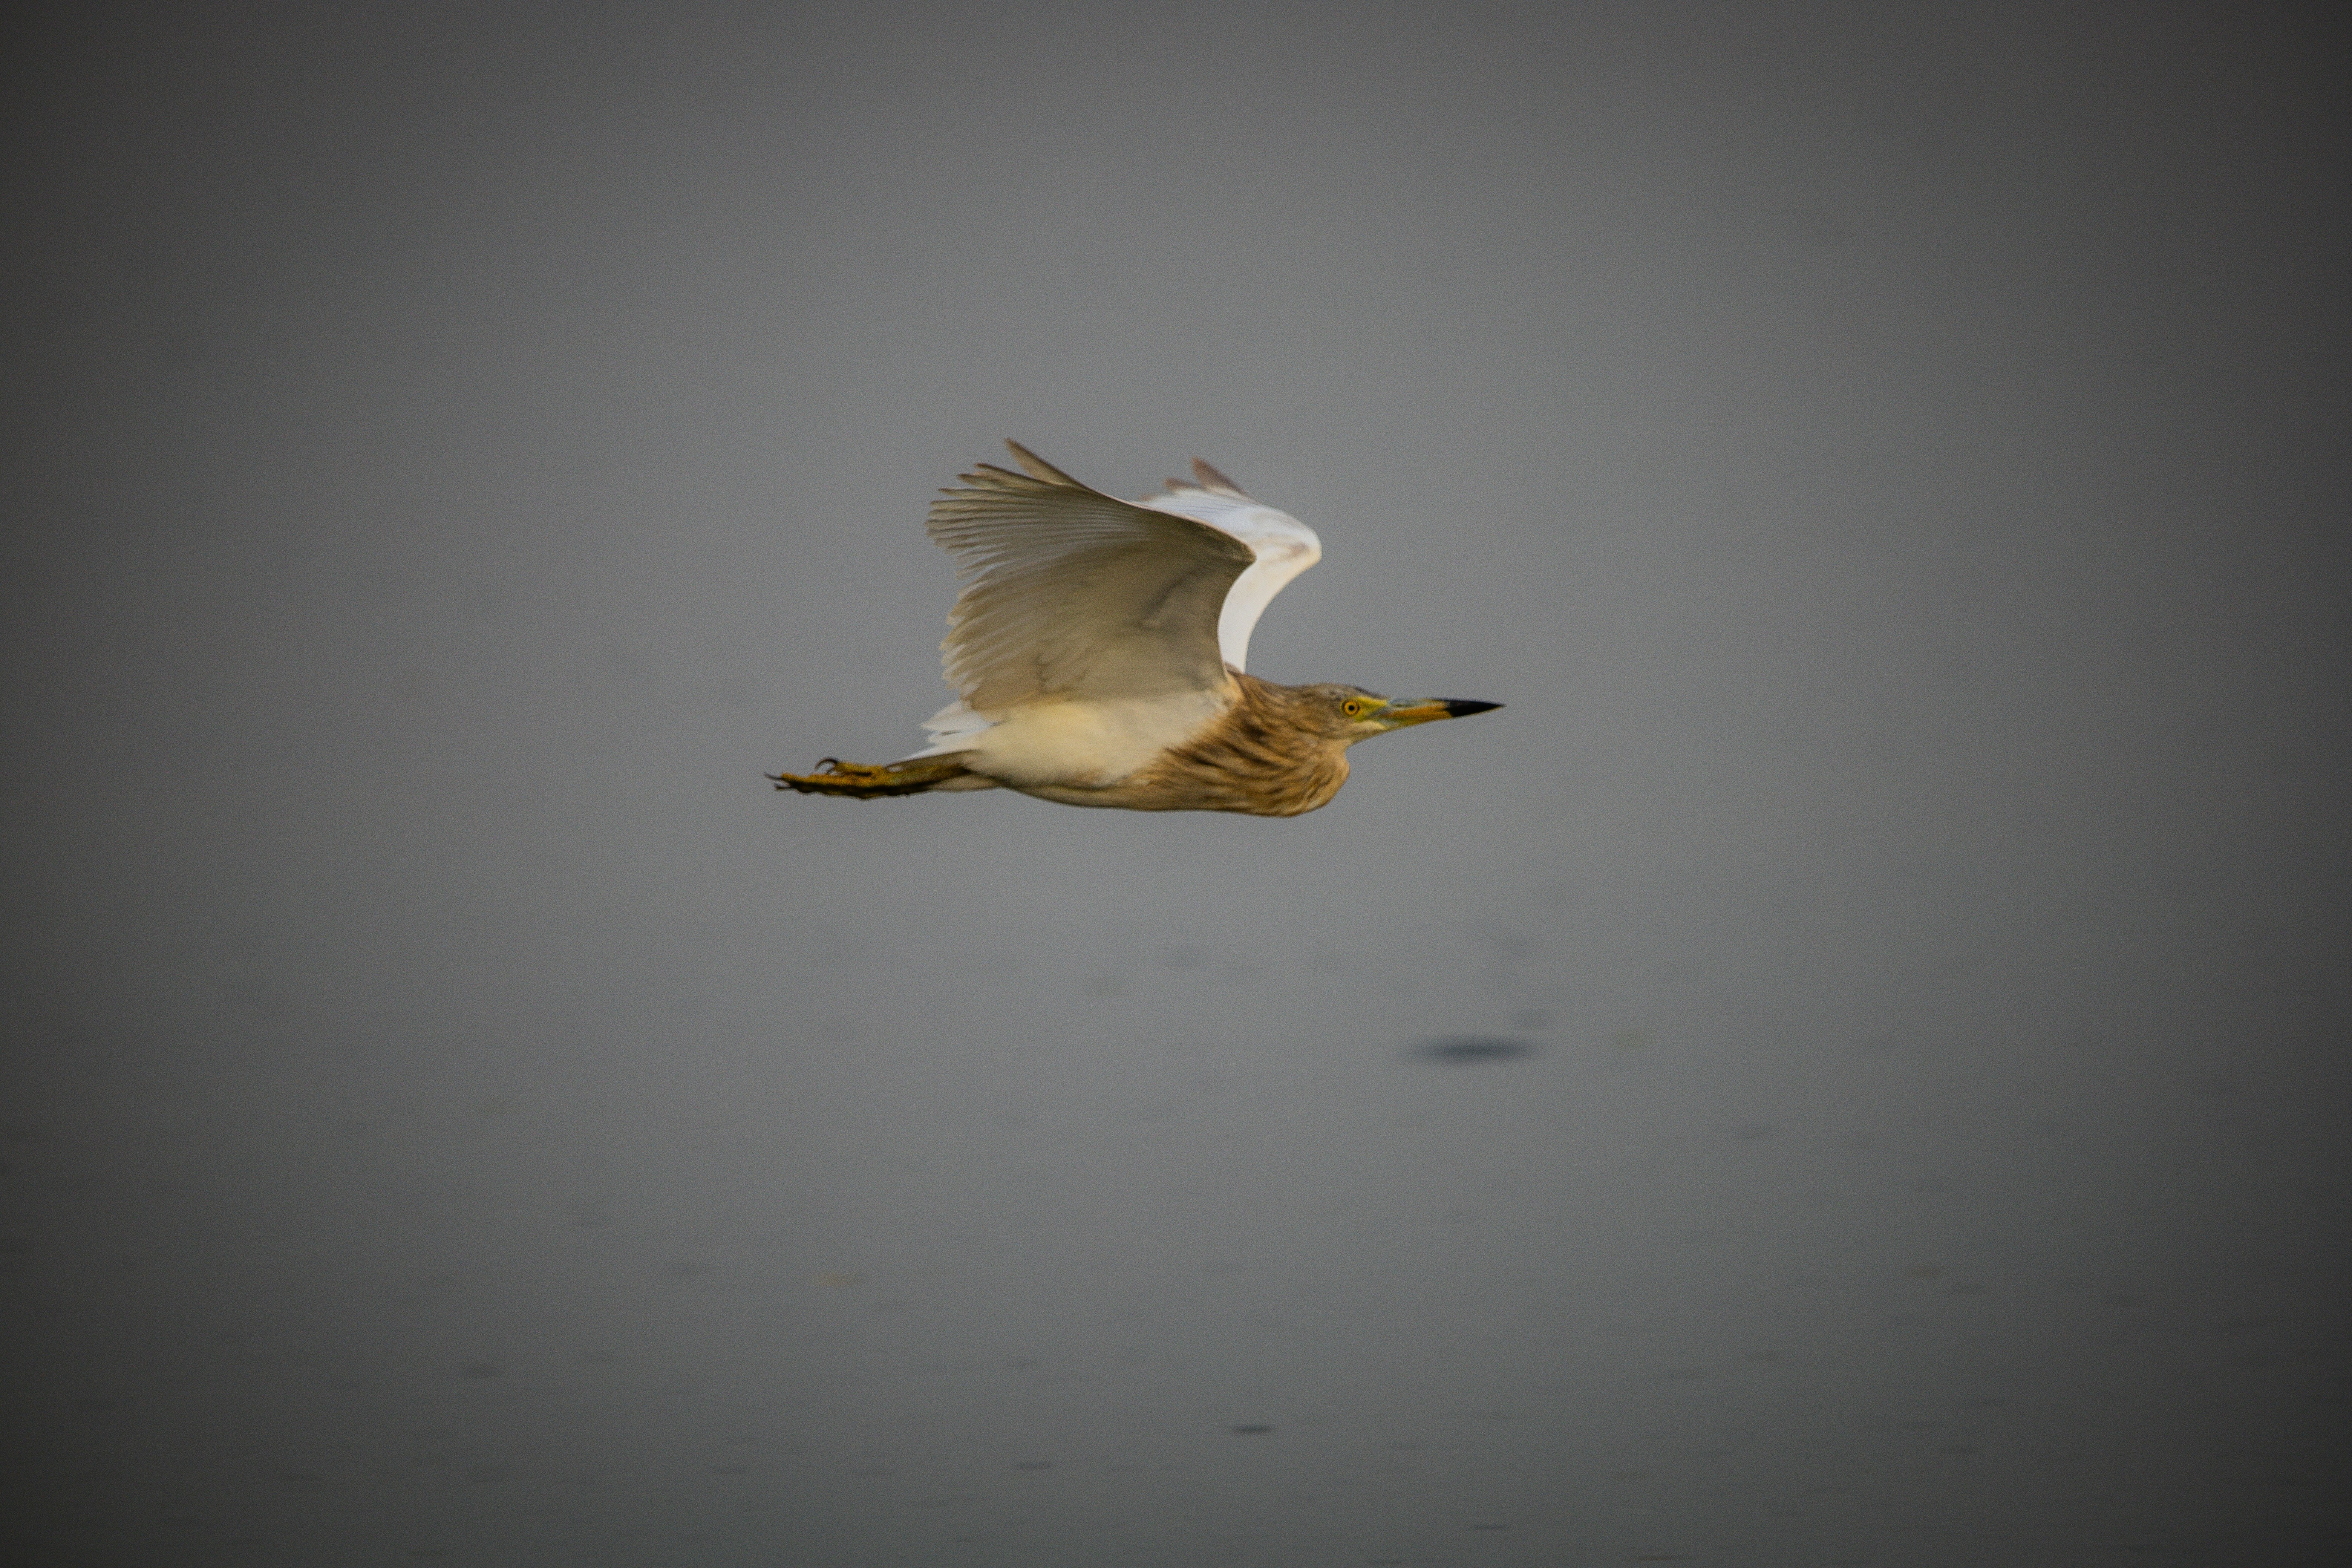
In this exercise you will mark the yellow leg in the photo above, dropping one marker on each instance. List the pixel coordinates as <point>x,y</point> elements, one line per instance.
<point>864,781</point>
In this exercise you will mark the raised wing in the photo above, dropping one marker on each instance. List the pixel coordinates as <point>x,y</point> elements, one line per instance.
<point>1283,545</point>
<point>1072,591</point>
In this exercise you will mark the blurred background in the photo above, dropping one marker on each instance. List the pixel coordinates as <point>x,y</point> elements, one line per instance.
<point>1847,1066</point>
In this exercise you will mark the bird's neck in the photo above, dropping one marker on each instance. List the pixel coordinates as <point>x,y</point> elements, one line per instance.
<point>1272,740</point>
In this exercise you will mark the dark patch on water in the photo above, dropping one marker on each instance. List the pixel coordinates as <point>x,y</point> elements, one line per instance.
<point>1471,1051</point>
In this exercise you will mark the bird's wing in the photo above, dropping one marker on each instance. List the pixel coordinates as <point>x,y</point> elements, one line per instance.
<point>1072,591</point>
<point>1283,545</point>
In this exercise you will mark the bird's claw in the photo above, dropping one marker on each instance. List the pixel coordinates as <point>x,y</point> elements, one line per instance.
<point>833,776</point>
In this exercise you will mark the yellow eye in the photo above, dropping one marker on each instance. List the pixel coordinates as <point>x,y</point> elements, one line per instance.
<point>1352,708</point>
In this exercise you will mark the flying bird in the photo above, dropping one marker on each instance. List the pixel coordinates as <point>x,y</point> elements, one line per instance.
<point>1100,647</point>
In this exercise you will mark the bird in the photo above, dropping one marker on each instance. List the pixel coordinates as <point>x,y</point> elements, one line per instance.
<point>1100,650</point>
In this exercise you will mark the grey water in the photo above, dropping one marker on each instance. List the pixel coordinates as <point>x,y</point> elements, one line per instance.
<point>1847,1066</point>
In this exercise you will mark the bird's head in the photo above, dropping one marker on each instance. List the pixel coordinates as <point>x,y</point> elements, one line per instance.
<point>1347,714</point>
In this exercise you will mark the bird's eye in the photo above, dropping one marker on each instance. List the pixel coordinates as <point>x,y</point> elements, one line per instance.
<point>1352,708</point>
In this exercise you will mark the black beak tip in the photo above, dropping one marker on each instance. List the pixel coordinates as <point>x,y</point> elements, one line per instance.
<point>1463,709</point>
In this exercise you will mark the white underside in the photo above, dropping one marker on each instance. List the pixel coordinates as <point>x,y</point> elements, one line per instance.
<point>1086,743</point>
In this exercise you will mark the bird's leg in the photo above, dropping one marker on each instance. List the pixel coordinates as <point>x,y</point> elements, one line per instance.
<point>864,781</point>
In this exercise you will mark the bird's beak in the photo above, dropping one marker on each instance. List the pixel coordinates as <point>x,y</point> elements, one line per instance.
<point>1424,709</point>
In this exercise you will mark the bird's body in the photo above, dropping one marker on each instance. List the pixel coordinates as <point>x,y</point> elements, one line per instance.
<point>1238,759</point>
<point>1099,646</point>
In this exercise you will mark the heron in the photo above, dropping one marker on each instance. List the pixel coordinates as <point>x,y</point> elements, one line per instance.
<point>1100,647</point>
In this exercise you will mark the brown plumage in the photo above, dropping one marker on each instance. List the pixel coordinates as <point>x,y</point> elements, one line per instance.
<point>1277,751</point>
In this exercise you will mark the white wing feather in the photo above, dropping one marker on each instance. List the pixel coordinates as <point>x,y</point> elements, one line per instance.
<point>1283,545</point>
<point>1076,593</point>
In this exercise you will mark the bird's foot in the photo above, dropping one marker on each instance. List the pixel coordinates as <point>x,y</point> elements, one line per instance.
<point>864,781</point>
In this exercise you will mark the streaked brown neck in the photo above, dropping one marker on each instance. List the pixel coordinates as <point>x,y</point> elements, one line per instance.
<point>1266,757</point>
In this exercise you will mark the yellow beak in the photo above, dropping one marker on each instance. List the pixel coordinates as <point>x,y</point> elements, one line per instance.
<point>1423,710</point>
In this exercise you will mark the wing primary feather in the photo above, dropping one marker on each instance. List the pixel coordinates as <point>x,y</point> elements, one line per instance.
<point>1040,468</point>
<point>1213,479</point>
